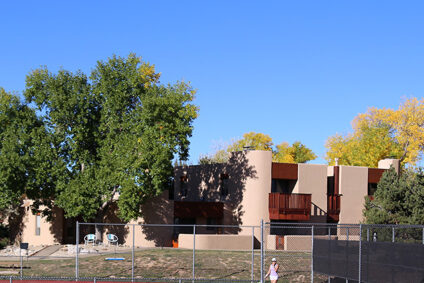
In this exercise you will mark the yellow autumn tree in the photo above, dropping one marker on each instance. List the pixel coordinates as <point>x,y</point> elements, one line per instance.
<point>406,126</point>
<point>253,140</point>
<point>283,153</point>
<point>295,153</point>
<point>381,133</point>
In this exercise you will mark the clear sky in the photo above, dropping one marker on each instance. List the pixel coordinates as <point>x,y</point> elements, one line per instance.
<point>295,70</point>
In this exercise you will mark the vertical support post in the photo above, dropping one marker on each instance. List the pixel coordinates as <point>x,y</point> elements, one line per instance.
<point>94,280</point>
<point>76,252</point>
<point>329,238</point>
<point>262,250</point>
<point>368,234</point>
<point>423,236</point>
<point>253,253</point>
<point>360,253</point>
<point>312,253</point>
<point>21,272</point>
<point>347,234</point>
<point>132,253</point>
<point>393,234</point>
<point>10,279</point>
<point>194,251</point>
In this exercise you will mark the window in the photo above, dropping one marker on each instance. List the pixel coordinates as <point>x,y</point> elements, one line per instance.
<point>372,187</point>
<point>330,185</point>
<point>284,186</point>
<point>183,185</point>
<point>211,221</point>
<point>224,184</point>
<point>37,224</point>
<point>171,190</point>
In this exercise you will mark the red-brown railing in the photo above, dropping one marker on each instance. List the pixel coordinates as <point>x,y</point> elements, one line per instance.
<point>333,206</point>
<point>289,206</point>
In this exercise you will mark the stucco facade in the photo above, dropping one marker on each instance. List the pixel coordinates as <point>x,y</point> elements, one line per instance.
<point>238,193</point>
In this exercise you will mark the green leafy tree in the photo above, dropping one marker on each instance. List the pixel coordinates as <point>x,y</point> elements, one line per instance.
<point>27,157</point>
<point>399,199</point>
<point>117,131</point>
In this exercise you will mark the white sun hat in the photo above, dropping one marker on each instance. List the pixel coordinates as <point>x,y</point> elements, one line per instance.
<point>274,259</point>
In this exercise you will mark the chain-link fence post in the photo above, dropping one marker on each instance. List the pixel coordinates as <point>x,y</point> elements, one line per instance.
<point>194,251</point>
<point>329,238</point>
<point>368,233</point>
<point>347,234</point>
<point>132,253</point>
<point>76,251</point>
<point>312,253</point>
<point>253,253</point>
<point>360,252</point>
<point>21,261</point>
<point>423,236</point>
<point>262,250</point>
<point>393,234</point>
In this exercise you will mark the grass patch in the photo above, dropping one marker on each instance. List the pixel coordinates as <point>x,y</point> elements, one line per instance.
<point>172,263</point>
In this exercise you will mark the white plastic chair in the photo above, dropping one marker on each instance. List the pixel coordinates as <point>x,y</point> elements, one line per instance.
<point>90,238</point>
<point>112,238</point>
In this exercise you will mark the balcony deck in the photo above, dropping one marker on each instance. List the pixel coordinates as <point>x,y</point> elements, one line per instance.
<point>289,206</point>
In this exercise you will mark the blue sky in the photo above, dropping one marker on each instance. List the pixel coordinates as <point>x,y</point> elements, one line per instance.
<point>295,70</point>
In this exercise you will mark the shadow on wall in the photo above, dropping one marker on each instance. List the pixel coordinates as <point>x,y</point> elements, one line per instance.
<point>159,210</point>
<point>318,211</point>
<point>16,225</point>
<point>121,231</point>
<point>57,225</point>
<point>223,182</point>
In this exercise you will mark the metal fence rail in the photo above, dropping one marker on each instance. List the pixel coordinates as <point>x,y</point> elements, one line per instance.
<point>220,253</point>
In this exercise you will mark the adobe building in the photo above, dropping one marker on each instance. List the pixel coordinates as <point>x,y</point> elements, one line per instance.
<point>242,192</point>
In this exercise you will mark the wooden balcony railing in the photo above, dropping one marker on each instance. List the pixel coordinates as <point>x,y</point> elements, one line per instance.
<point>289,206</point>
<point>333,207</point>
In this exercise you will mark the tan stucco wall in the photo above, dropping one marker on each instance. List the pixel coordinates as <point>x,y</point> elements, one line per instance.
<point>254,204</point>
<point>387,163</point>
<point>297,243</point>
<point>271,242</point>
<point>216,242</point>
<point>50,233</point>
<point>301,243</point>
<point>353,187</point>
<point>159,210</point>
<point>312,179</point>
<point>330,171</point>
<point>249,184</point>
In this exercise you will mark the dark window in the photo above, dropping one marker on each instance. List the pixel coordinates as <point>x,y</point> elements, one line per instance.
<point>171,190</point>
<point>224,184</point>
<point>211,221</point>
<point>184,229</point>
<point>330,185</point>
<point>284,186</point>
<point>372,187</point>
<point>183,186</point>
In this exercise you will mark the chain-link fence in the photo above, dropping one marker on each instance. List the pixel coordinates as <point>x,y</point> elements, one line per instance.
<point>220,253</point>
<point>371,253</point>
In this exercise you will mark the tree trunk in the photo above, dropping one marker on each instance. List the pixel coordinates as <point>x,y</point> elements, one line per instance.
<point>100,214</point>
<point>99,227</point>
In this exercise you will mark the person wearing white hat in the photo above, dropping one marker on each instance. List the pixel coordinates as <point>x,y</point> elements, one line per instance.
<point>273,271</point>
